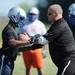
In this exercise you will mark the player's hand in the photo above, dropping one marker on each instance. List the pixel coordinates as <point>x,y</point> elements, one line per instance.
<point>24,37</point>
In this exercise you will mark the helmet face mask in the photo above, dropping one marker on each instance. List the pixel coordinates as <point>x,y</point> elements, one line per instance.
<point>17,15</point>
<point>15,18</point>
<point>22,21</point>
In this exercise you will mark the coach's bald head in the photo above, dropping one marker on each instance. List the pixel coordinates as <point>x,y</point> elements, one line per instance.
<point>55,12</point>
<point>56,8</point>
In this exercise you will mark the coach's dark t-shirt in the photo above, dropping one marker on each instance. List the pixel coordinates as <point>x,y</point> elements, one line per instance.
<point>61,42</point>
<point>9,50</point>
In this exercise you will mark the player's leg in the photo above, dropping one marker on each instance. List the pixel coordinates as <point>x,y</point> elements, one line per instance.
<point>28,72</point>
<point>8,67</point>
<point>27,62</point>
<point>40,71</point>
<point>38,61</point>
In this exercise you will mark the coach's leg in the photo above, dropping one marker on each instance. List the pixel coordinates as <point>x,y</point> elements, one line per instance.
<point>70,70</point>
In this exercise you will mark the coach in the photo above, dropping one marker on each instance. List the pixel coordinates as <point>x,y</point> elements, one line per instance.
<point>61,41</point>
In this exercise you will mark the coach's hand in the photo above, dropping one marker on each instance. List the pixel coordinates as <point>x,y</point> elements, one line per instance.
<point>35,39</point>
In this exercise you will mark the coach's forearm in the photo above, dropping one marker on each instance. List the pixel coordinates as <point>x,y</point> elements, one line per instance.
<point>42,40</point>
<point>39,40</point>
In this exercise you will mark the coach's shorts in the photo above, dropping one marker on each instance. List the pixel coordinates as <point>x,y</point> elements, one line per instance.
<point>33,58</point>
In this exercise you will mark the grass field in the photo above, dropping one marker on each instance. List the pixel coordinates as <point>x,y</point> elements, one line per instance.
<point>49,67</point>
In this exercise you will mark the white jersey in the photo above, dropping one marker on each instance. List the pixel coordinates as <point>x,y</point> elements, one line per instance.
<point>36,27</point>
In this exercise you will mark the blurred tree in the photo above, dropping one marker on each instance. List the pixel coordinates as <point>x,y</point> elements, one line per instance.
<point>25,6</point>
<point>43,6</point>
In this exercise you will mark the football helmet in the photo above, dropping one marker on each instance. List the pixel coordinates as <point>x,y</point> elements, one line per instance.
<point>33,14</point>
<point>16,14</point>
<point>71,10</point>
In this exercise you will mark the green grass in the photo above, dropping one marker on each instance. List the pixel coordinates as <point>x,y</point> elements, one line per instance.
<point>49,67</point>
